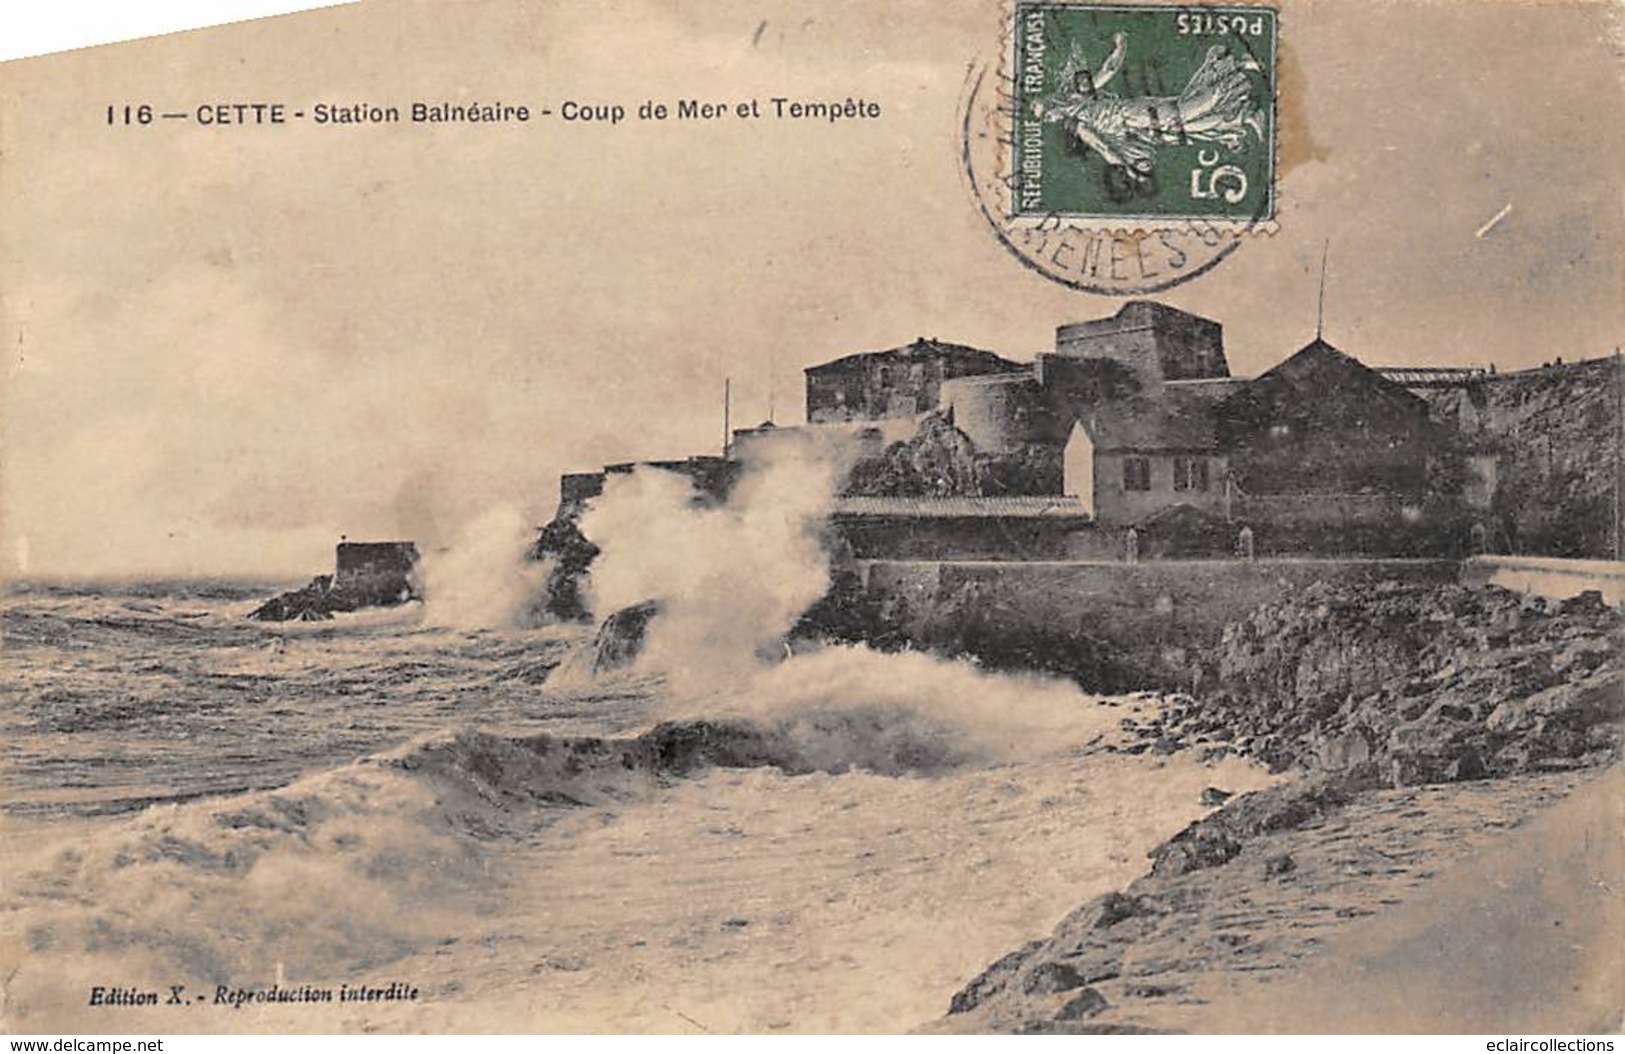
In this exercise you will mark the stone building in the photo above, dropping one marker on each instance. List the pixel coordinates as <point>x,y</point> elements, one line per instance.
<point>899,382</point>
<point>1002,413</point>
<point>1131,421</point>
<point>1137,420</point>
<point>361,561</point>
<point>1156,342</point>
<point>1322,422</point>
<point>1128,461</point>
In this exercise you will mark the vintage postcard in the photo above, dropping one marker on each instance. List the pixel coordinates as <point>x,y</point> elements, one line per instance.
<point>967,517</point>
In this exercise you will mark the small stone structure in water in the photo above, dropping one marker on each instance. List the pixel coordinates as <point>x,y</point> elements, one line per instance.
<point>367,574</point>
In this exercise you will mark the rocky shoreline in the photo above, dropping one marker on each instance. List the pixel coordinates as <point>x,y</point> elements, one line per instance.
<point>1418,724</point>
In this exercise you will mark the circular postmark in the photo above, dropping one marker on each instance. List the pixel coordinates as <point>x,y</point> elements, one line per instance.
<point>1123,149</point>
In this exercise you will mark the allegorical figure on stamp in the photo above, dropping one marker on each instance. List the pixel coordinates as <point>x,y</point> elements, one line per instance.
<point>1215,107</point>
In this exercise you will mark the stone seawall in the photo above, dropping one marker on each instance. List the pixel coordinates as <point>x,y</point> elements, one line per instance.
<point>1114,626</point>
<point>1547,577</point>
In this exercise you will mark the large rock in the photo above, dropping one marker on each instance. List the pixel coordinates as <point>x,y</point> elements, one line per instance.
<point>937,461</point>
<point>571,555</point>
<point>309,603</point>
<point>1107,910</point>
<point>1569,721</point>
<point>621,637</point>
<point>1216,839</point>
<point>1086,1003</point>
<point>993,980</point>
<point>1445,744</point>
<point>1051,977</point>
<point>1415,683</point>
<point>1578,705</point>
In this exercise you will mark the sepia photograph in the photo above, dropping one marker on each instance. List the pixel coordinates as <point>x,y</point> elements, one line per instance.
<point>981,517</point>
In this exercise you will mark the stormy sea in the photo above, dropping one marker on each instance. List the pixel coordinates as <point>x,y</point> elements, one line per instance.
<point>453,808</point>
<point>278,815</point>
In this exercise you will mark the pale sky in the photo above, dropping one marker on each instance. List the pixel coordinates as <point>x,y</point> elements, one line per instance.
<point>229,346</point>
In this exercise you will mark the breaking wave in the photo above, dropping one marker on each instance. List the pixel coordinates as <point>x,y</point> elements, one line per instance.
<point>853,706</point>
<point>355,867</point>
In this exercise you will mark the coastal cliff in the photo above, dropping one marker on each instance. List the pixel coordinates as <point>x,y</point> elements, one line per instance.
<point>1556,433</point>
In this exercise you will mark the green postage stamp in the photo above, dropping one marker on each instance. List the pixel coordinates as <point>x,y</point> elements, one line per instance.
<point>1138,112</point>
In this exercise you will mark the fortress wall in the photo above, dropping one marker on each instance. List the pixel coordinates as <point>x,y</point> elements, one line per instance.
<point>1152,622</point>
<point>999,414</point>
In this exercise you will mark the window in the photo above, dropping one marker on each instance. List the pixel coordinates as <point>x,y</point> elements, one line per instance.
<point>1136,473</point>
<point>1190,473</point>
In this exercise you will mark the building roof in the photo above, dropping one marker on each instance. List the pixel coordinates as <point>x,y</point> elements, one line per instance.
<point>1318,377</point>
<point>925,348</point>
<point>1025,375</point>
<point>1317,360</point>
<point>1134,314</point>
<point>1150,424</point>
<point>1026,508</point>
